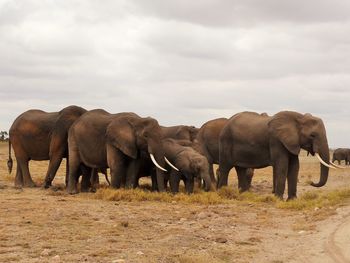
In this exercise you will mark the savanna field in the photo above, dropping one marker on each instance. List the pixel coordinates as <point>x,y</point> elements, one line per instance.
<point>38,225</point>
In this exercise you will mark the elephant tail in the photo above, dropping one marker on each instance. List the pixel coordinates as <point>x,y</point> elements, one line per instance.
<point>9,161</point>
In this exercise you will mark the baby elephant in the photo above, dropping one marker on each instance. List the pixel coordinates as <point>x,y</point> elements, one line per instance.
<point>190,164</point>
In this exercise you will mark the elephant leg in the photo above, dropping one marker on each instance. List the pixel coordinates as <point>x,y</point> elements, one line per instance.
<point>94,180</point>
<point>243,184</point>
<point>211,173</point>
<point>280,170</point>
<point>154,181</point>
<point>19,176</point>
<point>54,164</point>
<point>224,171</point>
<point>273,183</point>
<point>27,179</point>
<point>132,172</point>
<point>86,178</point>
<point>74,172</point>
<point>174,181</point>
<point>189,184</point>
<point>249,176</point>
<point>118,166</point>
<point>67,171</point>
<point>292,176</point>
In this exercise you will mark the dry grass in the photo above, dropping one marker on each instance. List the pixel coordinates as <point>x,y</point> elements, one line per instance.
<point>312,200</point>
<point>225,195</point>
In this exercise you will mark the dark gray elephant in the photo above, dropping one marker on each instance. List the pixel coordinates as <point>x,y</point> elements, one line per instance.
<point>180,132</point>
<point>101,140</point>
<point>39,135</point>
<point>250,140</point>
<point>341,154</point>
<point>188,165</point>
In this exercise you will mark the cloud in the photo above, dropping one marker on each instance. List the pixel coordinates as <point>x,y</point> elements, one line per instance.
<point>180,61</point>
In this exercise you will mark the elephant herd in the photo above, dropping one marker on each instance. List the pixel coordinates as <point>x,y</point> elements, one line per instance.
<point>132,147</point>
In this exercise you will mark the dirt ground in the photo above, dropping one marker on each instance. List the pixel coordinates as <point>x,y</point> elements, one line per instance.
<point>39,225</point>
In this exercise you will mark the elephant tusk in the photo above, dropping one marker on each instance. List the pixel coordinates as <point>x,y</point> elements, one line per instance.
<point>323,162</point>
<point>156,164</point>
<point>337,166</point>
<point>170,164</point>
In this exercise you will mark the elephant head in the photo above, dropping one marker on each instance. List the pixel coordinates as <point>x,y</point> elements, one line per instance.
<point>200,167</point>
<point>297,131</point>
<point>132,134</point>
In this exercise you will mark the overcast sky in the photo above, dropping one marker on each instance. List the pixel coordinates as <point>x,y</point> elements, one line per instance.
<point>182,62</point>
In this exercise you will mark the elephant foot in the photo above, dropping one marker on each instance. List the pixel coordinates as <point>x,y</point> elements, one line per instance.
<point>84,190</point>
<point>18,184</point>
<point>290,198</point>
<point>30,185</point>
<point>279,196</point>
<point>47,185</point>
<point>72,191</point>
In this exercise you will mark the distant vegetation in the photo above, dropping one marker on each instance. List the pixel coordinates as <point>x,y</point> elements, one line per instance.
<point>4,136</point>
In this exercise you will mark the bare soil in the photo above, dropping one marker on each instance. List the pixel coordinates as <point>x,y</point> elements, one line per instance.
<point>38,225</point>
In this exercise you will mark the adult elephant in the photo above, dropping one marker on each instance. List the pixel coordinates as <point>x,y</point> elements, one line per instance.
<point>101,140</point>
<point>39,135</point>
<point>207,142</point>
<point>180,132</point>
<point>188,165</point>
<point>341,154</point>
<point>251,140</point>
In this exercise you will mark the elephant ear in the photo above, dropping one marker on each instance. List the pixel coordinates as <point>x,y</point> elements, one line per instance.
<point>284,127</point>
<point>121,135</point>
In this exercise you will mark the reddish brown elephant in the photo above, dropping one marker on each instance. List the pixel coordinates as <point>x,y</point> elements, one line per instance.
<point>39,135</point>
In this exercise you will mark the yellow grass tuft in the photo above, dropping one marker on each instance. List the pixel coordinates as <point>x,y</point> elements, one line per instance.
<point>222,196</point>
<point>310,200</point>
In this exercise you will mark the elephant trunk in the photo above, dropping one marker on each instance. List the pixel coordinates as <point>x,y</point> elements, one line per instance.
<point>203,171</point>
<point>323,151</point>
<point>208,184</point>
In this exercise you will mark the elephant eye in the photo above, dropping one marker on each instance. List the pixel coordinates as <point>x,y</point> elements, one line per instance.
<point>313,135</point>
<point>146,134</point>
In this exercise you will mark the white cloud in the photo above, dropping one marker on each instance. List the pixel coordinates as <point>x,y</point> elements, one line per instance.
<point>179,61</point>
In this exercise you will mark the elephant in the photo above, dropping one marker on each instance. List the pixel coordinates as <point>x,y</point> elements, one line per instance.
<point>180,132</point>
<point>188,165</point>
<point>252,140</point>
<point>207,142</point>
<point>341,154</point>
<point>39,135</point>
<point>100,139</point>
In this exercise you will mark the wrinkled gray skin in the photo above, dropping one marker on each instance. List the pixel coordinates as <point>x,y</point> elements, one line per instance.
<point>207,143</point>
<point>252,140</point>
<point>101,140</point>
<point>341,154</point>
<point>180,132</point>
<point>190,163</point>
<point>39,135</point>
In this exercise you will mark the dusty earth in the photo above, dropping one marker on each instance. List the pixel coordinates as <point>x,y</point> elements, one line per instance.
<point>39,225</point>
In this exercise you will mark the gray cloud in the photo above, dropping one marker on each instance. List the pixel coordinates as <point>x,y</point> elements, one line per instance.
<point>179,61</point>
